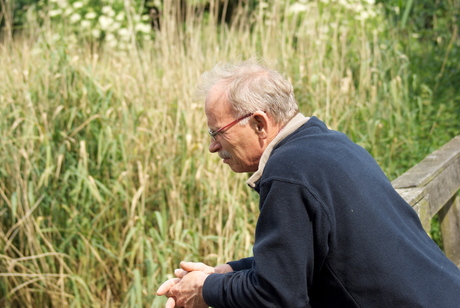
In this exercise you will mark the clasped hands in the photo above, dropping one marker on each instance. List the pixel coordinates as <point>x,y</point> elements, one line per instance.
<point>186,289</point>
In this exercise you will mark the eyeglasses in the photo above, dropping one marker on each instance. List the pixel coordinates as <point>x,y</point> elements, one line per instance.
<point>220,131</point>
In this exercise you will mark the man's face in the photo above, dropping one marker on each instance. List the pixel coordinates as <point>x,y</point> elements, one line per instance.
<point>239,146</point>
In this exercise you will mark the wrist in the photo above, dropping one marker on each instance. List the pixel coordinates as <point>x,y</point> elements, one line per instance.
<point>222,269</point>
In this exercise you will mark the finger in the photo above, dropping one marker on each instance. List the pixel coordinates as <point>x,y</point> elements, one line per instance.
<point>170,303</point>
<point>168,284</point>
<point>191,266</point>
<point>196,266</point>
<point>180,273</point>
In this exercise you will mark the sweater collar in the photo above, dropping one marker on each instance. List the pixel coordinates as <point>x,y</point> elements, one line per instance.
<point>297,121</point>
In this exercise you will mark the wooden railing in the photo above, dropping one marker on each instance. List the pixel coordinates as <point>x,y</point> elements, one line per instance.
<point>431,187</point>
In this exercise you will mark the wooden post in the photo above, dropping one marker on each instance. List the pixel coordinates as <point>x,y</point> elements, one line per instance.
<point>449,217</point>
<point>431,187</point>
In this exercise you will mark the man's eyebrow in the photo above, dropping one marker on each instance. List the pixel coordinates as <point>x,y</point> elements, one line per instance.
<point>214,128</point>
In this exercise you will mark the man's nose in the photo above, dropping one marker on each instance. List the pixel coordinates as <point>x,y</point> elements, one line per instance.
<point>214,146</point>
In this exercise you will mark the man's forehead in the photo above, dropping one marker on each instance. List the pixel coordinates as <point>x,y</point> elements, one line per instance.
<point>216,103</point>
<point>216,95</point>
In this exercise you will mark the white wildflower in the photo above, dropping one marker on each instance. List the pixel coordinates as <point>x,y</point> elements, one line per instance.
<point>346,4</point>
<point>105,22</point>
<point>372,13</point>
<point>144,28</point>
<point>53,13</point>
<point>107,10</point>
<point>90,15</point>
<point>68,11</point>
<point>110,37</point>
<point>78,4</point>
<point>298,8</point>
<point>124,34</point>
<point>115,26</point>
<point>111,40</point>
<point>85,24</point>
<point>359,8</point>
<point>96,33</point>
<point>62,3</point>
<point>363,15</point>
<point>120,16</point>
<point>74,18</point>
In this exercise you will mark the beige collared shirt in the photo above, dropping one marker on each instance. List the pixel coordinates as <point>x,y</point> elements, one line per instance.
<point>296,122</point>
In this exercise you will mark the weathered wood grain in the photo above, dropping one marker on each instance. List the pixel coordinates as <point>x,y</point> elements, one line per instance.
<point>412,195</point>
<point>449,216</point>
<point>438,174</point>
<point>418,199</point>
<point>431,187</point>
<point>445,185</point>
<point>424,172</point>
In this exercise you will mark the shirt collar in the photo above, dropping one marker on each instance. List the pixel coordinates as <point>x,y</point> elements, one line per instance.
<point>297,121</point>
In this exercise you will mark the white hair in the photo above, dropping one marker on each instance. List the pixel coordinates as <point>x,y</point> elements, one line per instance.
<point>250,86</point>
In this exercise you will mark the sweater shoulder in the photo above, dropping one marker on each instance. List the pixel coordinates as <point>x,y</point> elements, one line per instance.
<point>318,157</point>
<point>313,146</point>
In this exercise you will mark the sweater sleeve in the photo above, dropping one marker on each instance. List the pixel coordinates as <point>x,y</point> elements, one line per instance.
<point>242,264</point>
<point>290,223</point>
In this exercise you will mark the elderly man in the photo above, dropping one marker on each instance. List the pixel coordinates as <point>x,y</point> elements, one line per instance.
<point>332,231</point>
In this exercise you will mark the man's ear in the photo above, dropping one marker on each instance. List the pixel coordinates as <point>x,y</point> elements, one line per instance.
<point>261,124</point>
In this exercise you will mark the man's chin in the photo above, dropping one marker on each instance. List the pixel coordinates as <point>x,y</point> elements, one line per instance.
<point>235,168</point>
<point>228,162</point>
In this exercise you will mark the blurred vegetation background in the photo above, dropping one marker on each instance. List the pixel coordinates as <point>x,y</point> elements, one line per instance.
<point>105,180</point>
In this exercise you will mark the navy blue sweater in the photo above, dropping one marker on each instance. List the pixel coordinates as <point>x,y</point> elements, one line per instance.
<point>332,232</point>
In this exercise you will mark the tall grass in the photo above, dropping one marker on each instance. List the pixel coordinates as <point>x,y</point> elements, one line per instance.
<point>105,180</point>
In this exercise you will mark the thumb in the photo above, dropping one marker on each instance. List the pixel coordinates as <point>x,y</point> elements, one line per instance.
<point>196,266</point>
<point>170,303</point>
